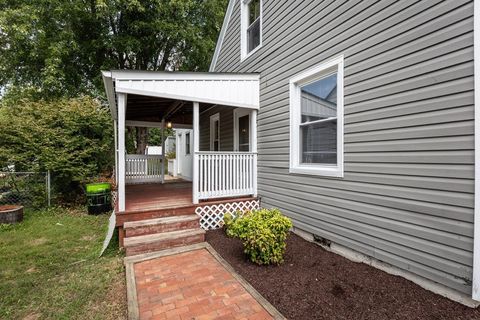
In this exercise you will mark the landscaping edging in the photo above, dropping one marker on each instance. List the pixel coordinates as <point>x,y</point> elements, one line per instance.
<point>133,309</point>
<point>11,214</point>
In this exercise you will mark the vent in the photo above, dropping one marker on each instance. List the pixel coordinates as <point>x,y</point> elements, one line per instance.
<point>322,240</point>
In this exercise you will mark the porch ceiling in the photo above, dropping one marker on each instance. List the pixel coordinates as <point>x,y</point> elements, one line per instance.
<point>153,109</point>
<point>154,92</point>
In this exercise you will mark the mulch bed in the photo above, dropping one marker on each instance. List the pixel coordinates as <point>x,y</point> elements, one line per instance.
<point>313,283</point>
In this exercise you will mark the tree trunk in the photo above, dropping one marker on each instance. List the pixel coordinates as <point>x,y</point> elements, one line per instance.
<point>142,138</point>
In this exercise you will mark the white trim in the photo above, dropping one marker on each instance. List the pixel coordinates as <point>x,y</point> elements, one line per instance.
<point>221,36</point>
<point>196,148</point>
<point>163,151</point>
<point>213,118</point>
<point>253,148</point>
<point>238,113</point>
<point>110,91</point>
<point>332,65</point>
<point>122,106</point>
<point>138,75</point>
<point>115,141</point>
<point>151,124</point>
<point>476,231</point>
<point>244,54</point>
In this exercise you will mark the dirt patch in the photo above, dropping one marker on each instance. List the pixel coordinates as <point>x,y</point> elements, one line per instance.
<point>38,242</point>
<point>88,238</point>
<point>113,306</point>
<point>32,316</point>
<point>316,284</point>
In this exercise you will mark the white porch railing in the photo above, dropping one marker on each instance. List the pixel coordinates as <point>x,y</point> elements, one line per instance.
<point>226,174</point>
<point>141,168</point>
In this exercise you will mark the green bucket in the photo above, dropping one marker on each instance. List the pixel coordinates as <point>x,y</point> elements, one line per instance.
<point>100,187</point>
<point>98,197</point>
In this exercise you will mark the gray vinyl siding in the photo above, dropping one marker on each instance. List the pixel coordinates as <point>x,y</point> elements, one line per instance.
<point>226,127</point>
<point>407,193</point>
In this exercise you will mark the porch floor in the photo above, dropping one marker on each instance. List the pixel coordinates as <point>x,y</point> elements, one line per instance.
<point>143,197</point>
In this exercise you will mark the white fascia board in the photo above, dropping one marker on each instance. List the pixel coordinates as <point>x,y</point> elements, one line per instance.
<point>110,91</point>
<point>153,75</point>
<point>221,36</point>
<point>476,232</point>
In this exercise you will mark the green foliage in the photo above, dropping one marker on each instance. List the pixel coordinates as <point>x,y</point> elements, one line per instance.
<point>57,48</point>
<point>155,135</point>
<point>263,232</point>
<point>171,155</point>
<point>71,137</point>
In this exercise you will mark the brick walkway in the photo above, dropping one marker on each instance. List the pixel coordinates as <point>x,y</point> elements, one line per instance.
<point>192,285</point>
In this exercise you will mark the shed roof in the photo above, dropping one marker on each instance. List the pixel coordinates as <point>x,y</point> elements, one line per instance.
<point>231,89</point>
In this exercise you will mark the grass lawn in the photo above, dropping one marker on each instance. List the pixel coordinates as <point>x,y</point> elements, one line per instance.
<point>50,269</point>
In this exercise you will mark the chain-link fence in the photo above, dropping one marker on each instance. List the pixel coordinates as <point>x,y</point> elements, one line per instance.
<point>29,189</point>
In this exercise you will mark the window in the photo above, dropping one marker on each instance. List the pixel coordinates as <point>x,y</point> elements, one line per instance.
<point>215,132</point>
<point>316,120</point>
<point>251,27</point>
<point>187,143</point>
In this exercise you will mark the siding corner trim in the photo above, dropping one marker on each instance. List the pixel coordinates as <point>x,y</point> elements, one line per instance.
<point>476,237</point>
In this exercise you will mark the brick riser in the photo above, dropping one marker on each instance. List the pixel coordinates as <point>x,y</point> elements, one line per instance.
<point>121,218</point>
<point>165,244</point>
<point>159,228</point>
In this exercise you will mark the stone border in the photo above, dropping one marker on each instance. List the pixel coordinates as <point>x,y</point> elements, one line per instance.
<point>133,312</point>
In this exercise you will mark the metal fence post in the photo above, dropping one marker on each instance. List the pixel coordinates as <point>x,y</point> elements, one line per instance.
<point>48,188</point>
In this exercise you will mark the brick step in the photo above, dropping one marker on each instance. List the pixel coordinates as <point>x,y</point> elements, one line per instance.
<point>160,241</point>
<point>128,216</point>
<point>159,225</point>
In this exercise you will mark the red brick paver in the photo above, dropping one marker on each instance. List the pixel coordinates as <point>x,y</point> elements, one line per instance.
<point>192,285</point>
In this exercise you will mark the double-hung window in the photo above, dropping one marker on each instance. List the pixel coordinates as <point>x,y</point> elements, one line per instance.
<point>316,120</point>
<point>251,26</point>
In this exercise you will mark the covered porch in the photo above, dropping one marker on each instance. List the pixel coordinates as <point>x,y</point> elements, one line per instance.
<point>217,115</point>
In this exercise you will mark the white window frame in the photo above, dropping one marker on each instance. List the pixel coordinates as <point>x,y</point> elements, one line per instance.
<point>213,118</point>
<point>243,29</point>
<point>302,79</point>
<point>237,114</point>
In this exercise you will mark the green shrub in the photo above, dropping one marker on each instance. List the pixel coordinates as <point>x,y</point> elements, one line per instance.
<point>73,138</point>
<point>263,233</point>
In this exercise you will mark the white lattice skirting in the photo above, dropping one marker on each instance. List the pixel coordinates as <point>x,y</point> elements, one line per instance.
<point>211,216</point>
<point>114,198</point>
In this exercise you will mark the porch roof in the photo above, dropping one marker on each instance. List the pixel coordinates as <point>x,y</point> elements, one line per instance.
<point>232,89</point>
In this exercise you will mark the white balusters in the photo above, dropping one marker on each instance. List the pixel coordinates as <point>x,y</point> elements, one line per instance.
<point>226,174</point>
<point>143,168</point>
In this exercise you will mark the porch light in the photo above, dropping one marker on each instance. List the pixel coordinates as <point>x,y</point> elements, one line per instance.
<point>169,125</point>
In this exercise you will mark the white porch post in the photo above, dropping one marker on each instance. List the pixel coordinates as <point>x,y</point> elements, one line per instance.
<point>115,130</point>
<point>196,149</point>
<point>163,150</point>
<point>253,148</point>
<point>122,106</point>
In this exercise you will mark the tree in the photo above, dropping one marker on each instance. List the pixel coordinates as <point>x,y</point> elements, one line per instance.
<point>57,48</point>
<point>71,137</point>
